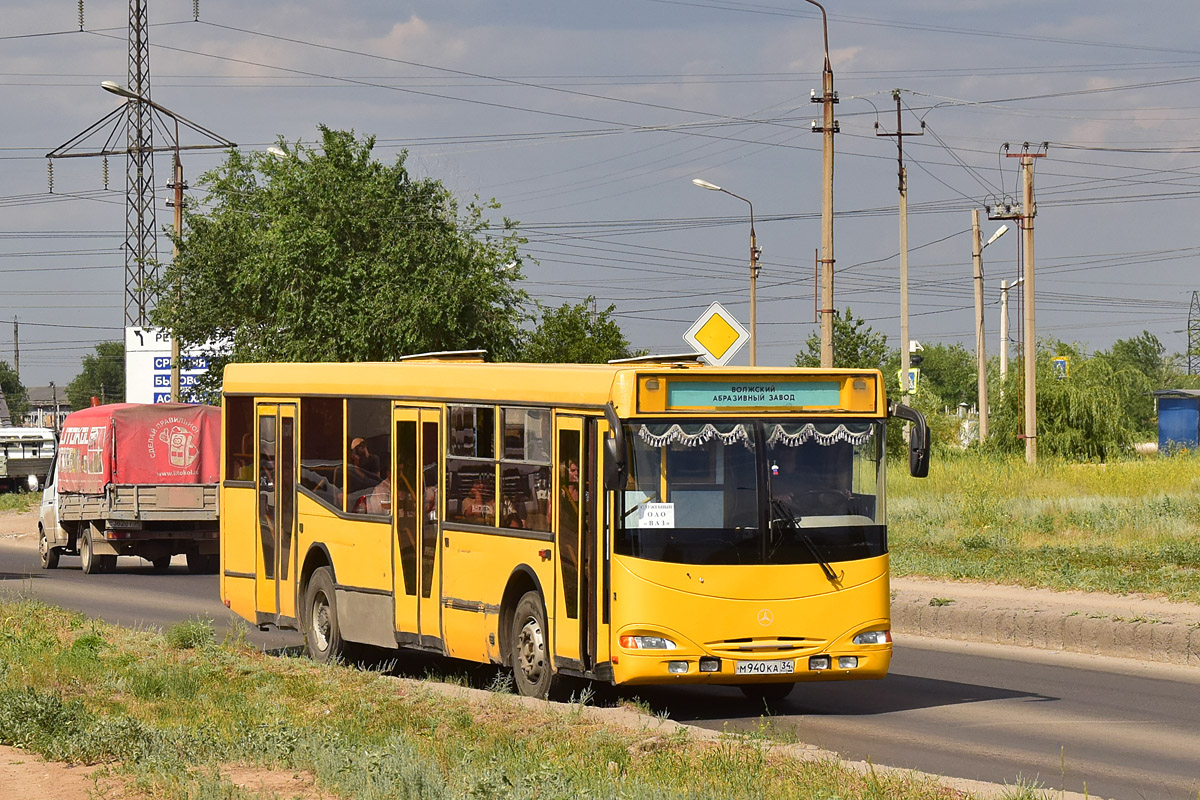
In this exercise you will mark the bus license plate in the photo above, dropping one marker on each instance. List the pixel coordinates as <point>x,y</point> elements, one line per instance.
<point>784,666</point>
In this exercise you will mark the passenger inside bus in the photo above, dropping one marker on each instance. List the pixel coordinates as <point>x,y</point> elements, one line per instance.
<point>477,505</point>
<point>363,466</point>
<point>379,499</point>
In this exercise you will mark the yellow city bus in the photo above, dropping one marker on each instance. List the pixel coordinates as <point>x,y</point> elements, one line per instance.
<point>652,521</point>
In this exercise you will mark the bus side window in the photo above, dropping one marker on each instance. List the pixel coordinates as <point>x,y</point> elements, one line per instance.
<point>368,424</point>
<point>321,448</point>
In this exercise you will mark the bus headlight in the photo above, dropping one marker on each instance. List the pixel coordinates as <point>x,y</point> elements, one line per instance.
<point>647,643</point>
<point>873,637</point>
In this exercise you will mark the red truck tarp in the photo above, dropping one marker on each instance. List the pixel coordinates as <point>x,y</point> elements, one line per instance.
<point>139,443</point>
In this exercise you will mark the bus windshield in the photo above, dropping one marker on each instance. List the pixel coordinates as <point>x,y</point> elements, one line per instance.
<point>774,491</point>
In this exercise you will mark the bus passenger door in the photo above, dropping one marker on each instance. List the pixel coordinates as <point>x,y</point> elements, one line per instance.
<point>276,477</point>
<point>417,526</point>
<point>430,568</point>
<point>570,528</point>
<point>406,521</point>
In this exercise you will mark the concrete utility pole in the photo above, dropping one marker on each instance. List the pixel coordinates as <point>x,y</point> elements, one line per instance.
<point>903,173</point>
<point>1028,212</point>
<point>178,185</point>
<point>827,128</point>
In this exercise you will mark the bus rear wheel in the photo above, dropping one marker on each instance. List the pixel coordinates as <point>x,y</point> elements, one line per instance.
<point>529,657</point>
<point>322,636</point>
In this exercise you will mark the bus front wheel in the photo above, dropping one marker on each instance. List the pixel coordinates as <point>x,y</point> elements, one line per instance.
<point>322,636</point>
<point>530,655</point>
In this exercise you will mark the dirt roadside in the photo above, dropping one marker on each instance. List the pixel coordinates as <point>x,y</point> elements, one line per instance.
<point>25,776</point>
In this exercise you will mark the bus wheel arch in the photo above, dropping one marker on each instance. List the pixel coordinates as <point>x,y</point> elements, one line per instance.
<point>522,581</point>
<point>316,557</point>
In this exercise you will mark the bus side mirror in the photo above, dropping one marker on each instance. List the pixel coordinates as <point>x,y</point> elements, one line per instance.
<point>918,439</point>
<point>614,452</point>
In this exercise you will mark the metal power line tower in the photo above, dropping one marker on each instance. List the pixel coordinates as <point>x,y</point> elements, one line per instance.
<point>134,121</point>
<point>141,240</point>
<point>1193,351</point>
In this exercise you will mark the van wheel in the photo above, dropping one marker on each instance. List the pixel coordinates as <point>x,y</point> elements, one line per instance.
<point>90,562</point>
<point>322,636</point>
<point>161,563</point>
<point>530,655</point>
<point>49,555</point>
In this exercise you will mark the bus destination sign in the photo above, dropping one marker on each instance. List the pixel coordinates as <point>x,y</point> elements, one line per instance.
<point>752,394</point>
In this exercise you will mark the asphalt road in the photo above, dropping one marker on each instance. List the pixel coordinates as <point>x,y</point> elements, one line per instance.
<point>1109,727</point>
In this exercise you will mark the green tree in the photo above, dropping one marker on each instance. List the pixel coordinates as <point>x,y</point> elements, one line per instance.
<point>1146,354</point>
<point>855,345</point>
<point>571,334</point>
<point>14,392</point>
<point>950,371</point>
<point>330,255</point>
<point>102,375</point>
<point>1143,356</point>
<point>1083,416</point>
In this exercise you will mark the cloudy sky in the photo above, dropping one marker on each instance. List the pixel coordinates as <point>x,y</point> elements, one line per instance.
<point>588,121</point>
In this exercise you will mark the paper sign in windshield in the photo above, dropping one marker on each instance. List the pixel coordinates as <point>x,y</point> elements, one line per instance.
<point>657,515</point>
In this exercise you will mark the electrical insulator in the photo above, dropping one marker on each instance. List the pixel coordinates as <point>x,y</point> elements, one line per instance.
<point>50,175</point>
<point>80,14</point>
<point>105,172</point>
<point>195,9</point>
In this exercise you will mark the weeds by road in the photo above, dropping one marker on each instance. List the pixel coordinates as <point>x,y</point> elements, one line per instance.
<point>19,501</point>
<point>174,715</point>
<point>1129,526</point>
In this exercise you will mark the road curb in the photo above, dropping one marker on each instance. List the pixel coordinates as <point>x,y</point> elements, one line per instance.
<point>1094,632</point>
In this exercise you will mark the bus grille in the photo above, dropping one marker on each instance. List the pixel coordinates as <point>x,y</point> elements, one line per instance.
<point>776,645</point>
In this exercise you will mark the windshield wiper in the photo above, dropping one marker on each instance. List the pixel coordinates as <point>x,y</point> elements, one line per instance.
<point>783,515</point>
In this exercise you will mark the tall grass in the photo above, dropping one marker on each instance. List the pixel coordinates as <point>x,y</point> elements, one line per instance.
<point>172,720</point>
<point>19,501</point>
<point>1125,526</point>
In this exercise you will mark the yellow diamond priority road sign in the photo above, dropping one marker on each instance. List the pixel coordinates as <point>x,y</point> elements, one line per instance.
<point>717,335</point>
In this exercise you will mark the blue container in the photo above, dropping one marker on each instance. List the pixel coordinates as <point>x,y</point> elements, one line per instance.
<point>1178,421</point>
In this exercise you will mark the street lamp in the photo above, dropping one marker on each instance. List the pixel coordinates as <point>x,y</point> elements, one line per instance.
<point>178,186</point>
<point>755,252</point>
<point>980,350</point>
<point>1005,286</point>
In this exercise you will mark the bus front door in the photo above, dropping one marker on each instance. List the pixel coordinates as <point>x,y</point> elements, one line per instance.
<point>572,524</point>
<point>275,597</point>
<point>416,525</point>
